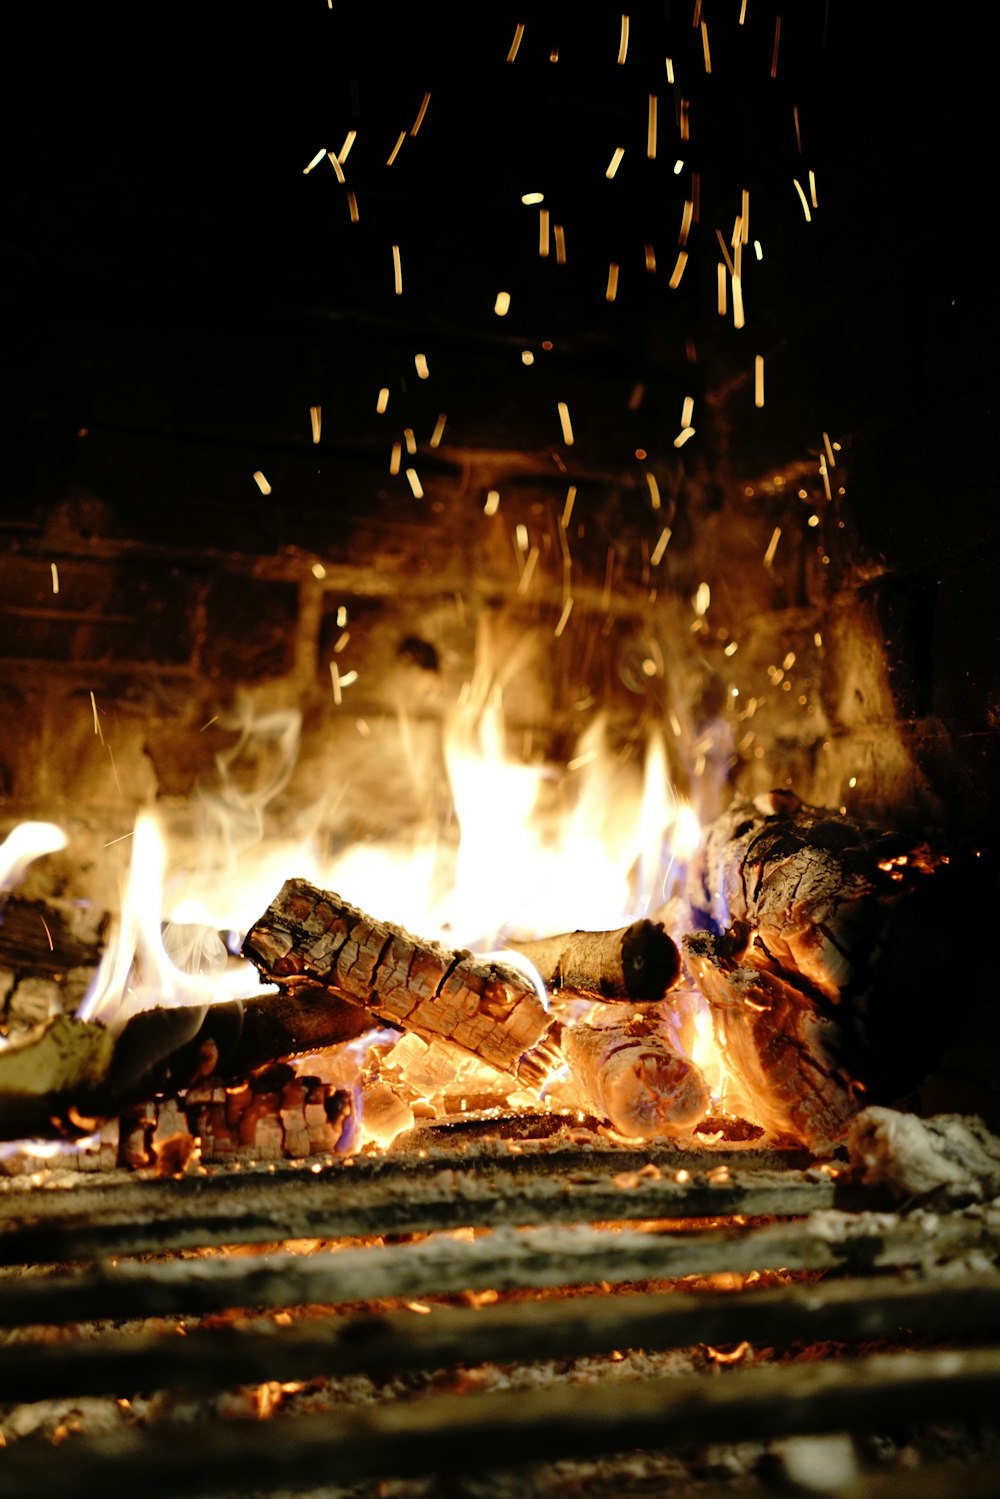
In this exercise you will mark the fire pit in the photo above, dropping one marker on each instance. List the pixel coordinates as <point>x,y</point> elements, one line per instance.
<point>458,504</point>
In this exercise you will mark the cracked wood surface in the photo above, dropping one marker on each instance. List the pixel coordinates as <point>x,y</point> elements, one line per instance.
<point>308,935</point>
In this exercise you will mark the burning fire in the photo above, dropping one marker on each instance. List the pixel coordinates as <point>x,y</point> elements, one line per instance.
<point>593,846</point>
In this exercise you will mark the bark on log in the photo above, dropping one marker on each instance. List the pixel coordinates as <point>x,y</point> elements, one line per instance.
<point>313,937</point>
<point>639,963</point>
<point>826,955</point>
<point>635,1078</point>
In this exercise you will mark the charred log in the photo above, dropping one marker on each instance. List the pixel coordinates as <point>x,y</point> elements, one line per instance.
<point>633,1076</point>
<point>639,963</point>
<point>312,937</point>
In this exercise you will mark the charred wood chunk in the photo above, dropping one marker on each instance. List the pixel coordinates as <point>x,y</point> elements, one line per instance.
<point>638,963</point>
<point>630,1074</point>
<point>786,1047</point>
<point>311,936</point>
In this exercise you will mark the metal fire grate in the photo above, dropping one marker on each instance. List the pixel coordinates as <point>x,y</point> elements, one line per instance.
<point>84,1262</point>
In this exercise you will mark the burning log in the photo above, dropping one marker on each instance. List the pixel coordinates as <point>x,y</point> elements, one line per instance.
<point>311,937</point>
<point>639,963</point>
<point>824,960</point>
<point>632,1075</point>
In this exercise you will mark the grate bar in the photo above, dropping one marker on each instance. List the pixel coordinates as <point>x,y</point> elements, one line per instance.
<point>504,1259</point>
<point>394,1342</point>
<point>450,1433</point>
<point>152,1216</point>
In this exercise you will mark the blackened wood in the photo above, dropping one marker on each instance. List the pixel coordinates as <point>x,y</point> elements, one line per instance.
<point>640,962</point>
<point>488,1009</point>
<point>505,1260</point>
<point>469,1432</point>
<point>47,938</point>
<point>389,1343</point>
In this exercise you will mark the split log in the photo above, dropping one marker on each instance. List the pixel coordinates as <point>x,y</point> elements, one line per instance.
<point>827,949</point>
<point>312,937</point>
<point>639,963</point>
<point>633,1076</point>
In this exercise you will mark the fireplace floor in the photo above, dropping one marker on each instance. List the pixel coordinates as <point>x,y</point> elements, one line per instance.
<point>553,1317</point>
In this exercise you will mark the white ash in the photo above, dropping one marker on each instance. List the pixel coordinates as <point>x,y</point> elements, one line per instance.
<point>817,1464</point>
<point>951,1154</point>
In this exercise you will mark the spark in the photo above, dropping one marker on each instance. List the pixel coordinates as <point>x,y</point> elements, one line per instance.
<point>678,270</point>
<point>721,299</point>
<point>772,546</point>
<point>663,541</point>
<point>420,114</point>
<point>635,400</point>
<point>725,253</point>
<point>527,357</point>
<point>54,566</point>
<point>825,475</point>
<point>97,721</point>
<point>813,521</point>
<point>543,232</point>
<point>777,42</point>
<point>670,69</point>
<point>397,271</point>
<point>421,366</point>
<point>705,47</point>
<point>438,432</point>
<point>315,161</point>
<point>341,643</point>
<point>395,150</point>
<point>352,206</point>
<point>502,304</point>
<point>492,502</point>
<point>567,610</point>
<point>738,316</point>
<point>758,381</point>
<point>798,133</point>
<point>612,288</point>
<point>654,489</point>
<point>348,679</point>
<point>529,568</point>
<point>650,254</point>
<point>745,216</point>
<point>215,719</point>
<point>686,218</point>
<point>829,451</point>
<point>415,484</point>
<point>345,149</point>
<point>623,44</point>
<point>383,400</point>
<point>564,519</point>
<point>410,440</point>
<point>338,169</point>
<point>521,537</point>
<point>757,249</point>
<point>802,200</point>
<point>812,189</point>
<point>316,419</point>
<point>560,237</point>
<point>684,123</point>
<point>116,840</point>
<point>615,162</point>
<point>341,616</point>
<point>736,239</point>
<point>743,12</point>
<point>687,411</point>
<point>335,683</point>
<point>731,649</point>
<point>518,34</point>
<point>651,129</point>
<point>394,457</point>
<point>530,199</point>
<point>261,482</point>
<point>566,424</point>
<point>702,600</point>
<point>685,435</point>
